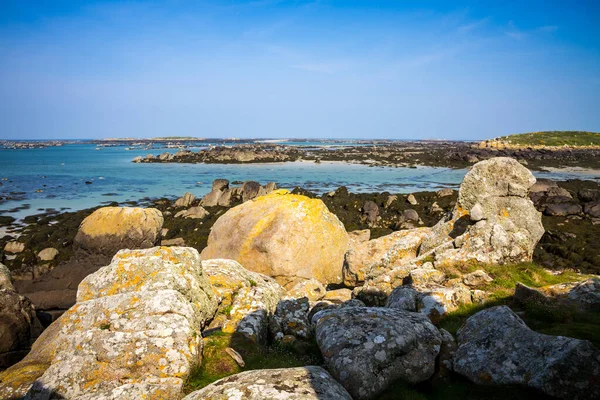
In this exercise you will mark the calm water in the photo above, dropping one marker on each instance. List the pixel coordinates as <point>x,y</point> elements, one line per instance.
<point>55,177</point>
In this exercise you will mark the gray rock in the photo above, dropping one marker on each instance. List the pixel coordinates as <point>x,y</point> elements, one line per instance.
<point>5,278</point>
<point>366,349</point>
<point>303,383</point>
<point>562,209</point>
<point>410,215</point>
<point>185,201</point>
<point>371,212</point>
<point>250,190</point>
<point>403,298</point>
<point>496,347</point>
<point>592,209</point>
<point>542,185</point>
<point>291,318</point>
<point>477,278</point>
<point>173,242</point>
<point>444,192</point>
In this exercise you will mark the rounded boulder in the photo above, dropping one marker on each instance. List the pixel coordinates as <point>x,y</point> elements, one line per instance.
<point>286,236</point>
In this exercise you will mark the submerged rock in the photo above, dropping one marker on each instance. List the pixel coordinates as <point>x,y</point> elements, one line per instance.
<point>366,349</point>
<point>289,237</point>
<point>303,383</point>
<point>134,332</point>
<point>496,347</point>
<point>110,229</point>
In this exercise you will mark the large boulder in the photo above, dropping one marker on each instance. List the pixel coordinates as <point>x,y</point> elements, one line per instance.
<point>282,235</point>
<point>303,383</point>
<point>496,347</point>
<point>5,278</point>
<point>366,349</point>
<point>110,229</point>
<point>133,333</point>
<point>493,220</point>
<point>246,299</point>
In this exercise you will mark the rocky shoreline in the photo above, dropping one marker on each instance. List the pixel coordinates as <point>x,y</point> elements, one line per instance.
<point>451,154</point>
<point>397,271</point>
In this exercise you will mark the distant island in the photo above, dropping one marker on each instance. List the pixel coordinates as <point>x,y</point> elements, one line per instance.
<point>546,139</point>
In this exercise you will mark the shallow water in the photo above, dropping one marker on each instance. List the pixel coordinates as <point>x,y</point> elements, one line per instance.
<point>56,177</point>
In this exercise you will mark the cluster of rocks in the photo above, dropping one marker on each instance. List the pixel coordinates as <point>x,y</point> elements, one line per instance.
<point>386,153</point>
<point>272,271</point>
<point>225,196</point>
<point>238,154</point>
<point>557,201</point>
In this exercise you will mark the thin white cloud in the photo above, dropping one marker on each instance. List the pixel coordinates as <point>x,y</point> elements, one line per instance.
<point>472,26</point>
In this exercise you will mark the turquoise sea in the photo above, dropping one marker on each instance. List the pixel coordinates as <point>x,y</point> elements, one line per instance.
<point>55,177</point>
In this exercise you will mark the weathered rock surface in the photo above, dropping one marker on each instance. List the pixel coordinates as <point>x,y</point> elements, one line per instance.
<point>110,229</point>
<point>285,236</point>
<point>496,347</point>
<point>14,247</point>
<point>312,289</point>
<point>134,332</point>
<point>246,299</point>
<point>291,318</point>
<point>48,254</point>
<point>376,256</point>
<point>185,201</point>
<point>303,383</point>
<point>197,212</point>
<point>493,221</point>
<point>5,278</point>
<point>368,348</point>
<point>19,325</point>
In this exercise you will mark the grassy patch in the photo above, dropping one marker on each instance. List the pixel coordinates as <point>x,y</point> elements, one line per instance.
<point>551,318</point>
<point>554,138</point>
<point>217,364</point>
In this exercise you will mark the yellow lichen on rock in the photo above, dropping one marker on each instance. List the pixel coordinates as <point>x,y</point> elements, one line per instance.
<point>287,236</point>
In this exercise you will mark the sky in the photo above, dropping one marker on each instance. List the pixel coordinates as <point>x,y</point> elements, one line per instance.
<point>298,69</point>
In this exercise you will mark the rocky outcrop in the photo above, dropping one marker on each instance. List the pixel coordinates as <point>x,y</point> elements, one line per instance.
<point>110,229</point>
<point>185,201</point>
<point>375,256</point>
<point>493,221</point>
<point>291,318</point>
<point>246,299</point>
<point>222,195</point>
<point>285,236</point>
<point>496,347</point>
<point>366,349</point>
<point>134,332</point>
<point>303,383</point>
<point>14,247</point>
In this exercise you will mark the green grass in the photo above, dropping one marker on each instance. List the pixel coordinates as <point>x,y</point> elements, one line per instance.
<point>551,319</point>
<point>217,364</point>
<point>554,138</point>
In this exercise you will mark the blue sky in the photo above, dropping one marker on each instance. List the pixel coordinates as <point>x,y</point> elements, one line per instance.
<point>267,68</point>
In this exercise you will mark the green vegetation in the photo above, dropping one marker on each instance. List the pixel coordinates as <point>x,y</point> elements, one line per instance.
<point>217,364</point>
<point>553,138</point>
<point>551,319</point>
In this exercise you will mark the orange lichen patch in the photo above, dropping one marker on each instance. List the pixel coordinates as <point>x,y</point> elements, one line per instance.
<point>18,378</point>
<point>460,212</point>
<point>504,212</point>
